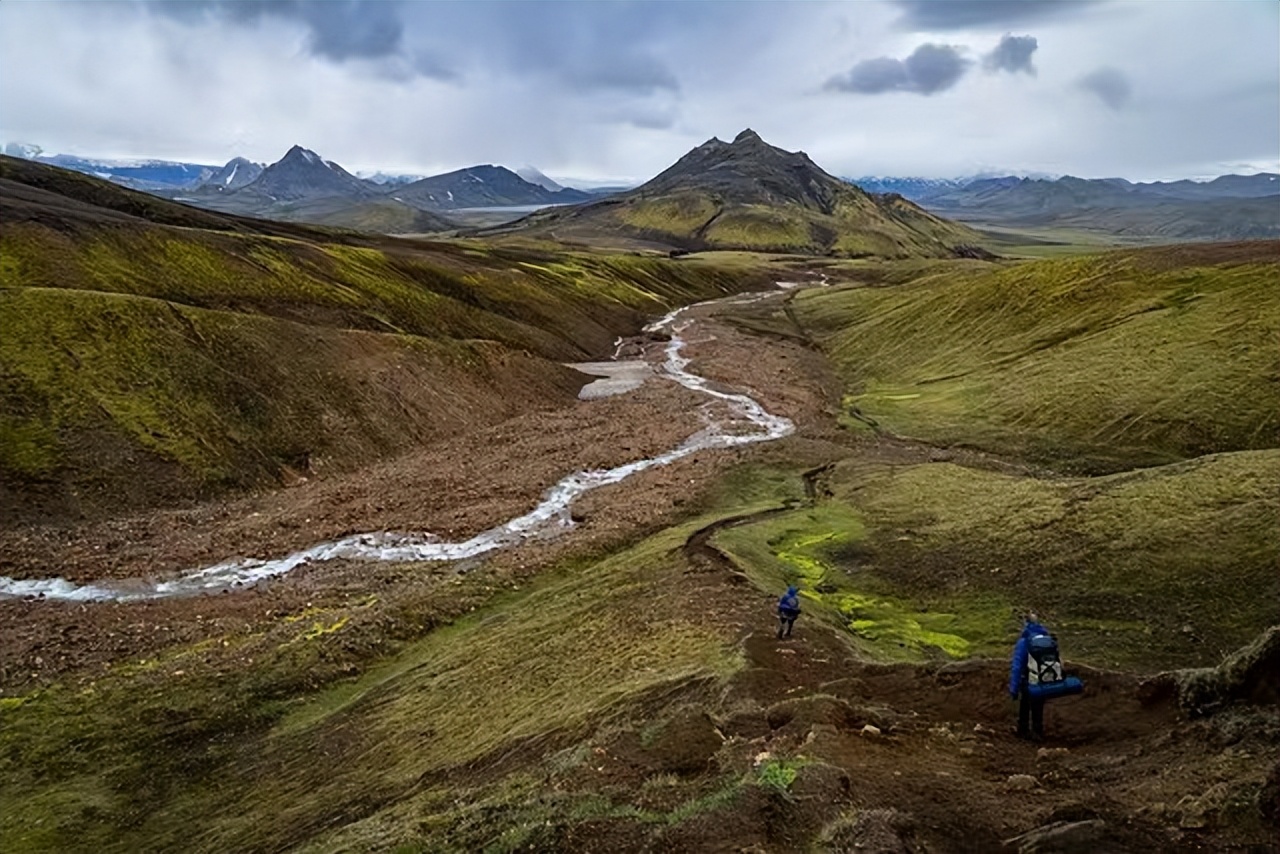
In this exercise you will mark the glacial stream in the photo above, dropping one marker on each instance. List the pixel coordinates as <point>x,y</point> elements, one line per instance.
<point>750,423</point>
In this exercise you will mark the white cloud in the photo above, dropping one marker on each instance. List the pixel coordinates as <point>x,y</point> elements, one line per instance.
<point>621,90</point>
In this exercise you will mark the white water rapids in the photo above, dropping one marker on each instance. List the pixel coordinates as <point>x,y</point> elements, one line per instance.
<point>751,424</point>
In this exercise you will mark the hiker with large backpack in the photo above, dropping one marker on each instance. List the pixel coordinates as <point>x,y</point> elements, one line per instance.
<point>788,610</point>
<point>1035,675</point>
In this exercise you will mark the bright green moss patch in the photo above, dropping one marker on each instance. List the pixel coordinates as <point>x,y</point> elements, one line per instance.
<point>779,774</point>
<point>978,625</point>
<point>760,227</point>
<point>821,551</point>
<point>1159,567</point>
<point>679,215</point>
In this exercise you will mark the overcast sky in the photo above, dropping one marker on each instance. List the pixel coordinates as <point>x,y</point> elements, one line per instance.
<point>1145,90</point>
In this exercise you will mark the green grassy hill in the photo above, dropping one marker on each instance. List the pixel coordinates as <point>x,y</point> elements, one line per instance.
<point>217,352</point>
<point>1092,364</point>
<point>1150,376</point>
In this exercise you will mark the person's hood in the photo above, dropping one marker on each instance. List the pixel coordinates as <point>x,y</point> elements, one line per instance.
<point>1031,629</point>
<point>791,591</point>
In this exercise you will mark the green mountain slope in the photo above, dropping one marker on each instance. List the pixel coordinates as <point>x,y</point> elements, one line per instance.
<point>1097,363</point>
<point>750,195</point>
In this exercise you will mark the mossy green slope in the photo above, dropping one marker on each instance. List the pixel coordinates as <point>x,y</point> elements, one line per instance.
<point>1098,363</point>
<point>856,227</point>
<point>1144,570</point>
<point>219,356</point>
<point>228,399</point>
<point>217,758</point>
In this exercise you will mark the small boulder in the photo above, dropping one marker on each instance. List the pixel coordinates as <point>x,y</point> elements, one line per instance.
<point>1021,782</point>
<point>1051,753</point>
<point>870,729</point>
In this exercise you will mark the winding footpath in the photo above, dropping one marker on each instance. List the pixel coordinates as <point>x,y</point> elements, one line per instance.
<point>750,423</point>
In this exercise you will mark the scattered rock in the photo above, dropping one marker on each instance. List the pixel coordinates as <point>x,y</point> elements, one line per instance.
<point>1021,782</point>
<point>1051,753</point>
<point>1062,837</point>
<point>870,729</point>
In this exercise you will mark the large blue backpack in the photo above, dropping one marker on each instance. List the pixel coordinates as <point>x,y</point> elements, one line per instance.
<point>1044,665</point>
<point>1044,669</point>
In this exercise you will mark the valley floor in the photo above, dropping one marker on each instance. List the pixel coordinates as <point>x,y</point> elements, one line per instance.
<point>617,688</point>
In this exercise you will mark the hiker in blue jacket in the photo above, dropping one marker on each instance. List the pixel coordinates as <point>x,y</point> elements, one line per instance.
<point>1029,707</point>
<point>788,610</point>
<point>1035,675</point>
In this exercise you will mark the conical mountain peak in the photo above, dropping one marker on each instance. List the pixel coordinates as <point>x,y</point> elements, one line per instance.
<point>303,174</point>
<point>749,194</point>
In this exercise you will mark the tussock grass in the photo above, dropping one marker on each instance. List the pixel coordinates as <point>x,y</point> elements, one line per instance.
<point>1094,363</point>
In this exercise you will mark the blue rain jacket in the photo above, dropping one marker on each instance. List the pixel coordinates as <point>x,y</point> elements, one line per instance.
<point>789,603</point>
<point>1018,664</point>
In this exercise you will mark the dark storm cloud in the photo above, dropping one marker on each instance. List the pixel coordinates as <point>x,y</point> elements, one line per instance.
<point>584,46</point>
<point>934,15</point>
<point>1013,54</point>
<point>1109,84</point>
<point>337,30</point>
<point>929,69</point>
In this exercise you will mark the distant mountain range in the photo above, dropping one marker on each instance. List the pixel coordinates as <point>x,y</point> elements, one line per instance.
<point>134,174</point>
<point>747,194</point>
<point>304,187</point>
<point>1231,207</point>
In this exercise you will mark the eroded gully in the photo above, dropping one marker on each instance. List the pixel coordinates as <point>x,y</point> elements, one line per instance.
<point>749,422</point>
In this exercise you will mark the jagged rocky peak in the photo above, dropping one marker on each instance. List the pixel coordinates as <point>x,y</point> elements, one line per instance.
<point>747,136</point>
